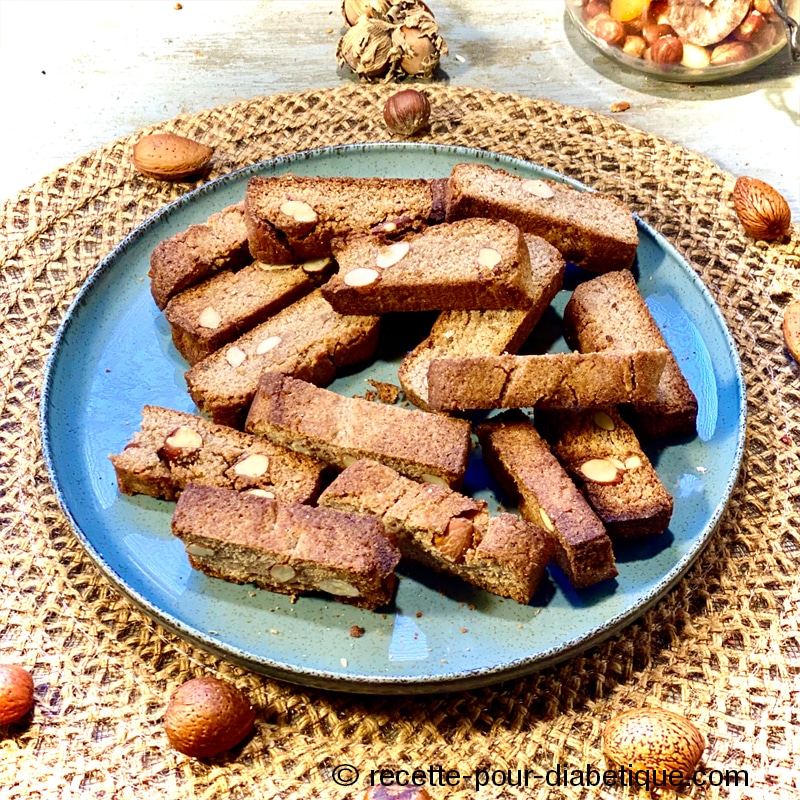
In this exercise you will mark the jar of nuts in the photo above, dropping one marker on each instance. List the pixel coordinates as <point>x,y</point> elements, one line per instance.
<point>688,40</point>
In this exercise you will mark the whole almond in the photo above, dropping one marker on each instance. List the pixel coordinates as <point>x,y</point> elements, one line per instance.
<point>762,210</point>
<point>654,739</point>
<point>791,329</point>
<point>169,157</point>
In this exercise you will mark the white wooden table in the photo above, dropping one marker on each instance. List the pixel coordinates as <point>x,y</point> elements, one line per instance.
<point>78,73</point>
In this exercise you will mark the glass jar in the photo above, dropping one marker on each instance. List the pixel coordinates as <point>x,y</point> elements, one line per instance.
<point>688,40</point>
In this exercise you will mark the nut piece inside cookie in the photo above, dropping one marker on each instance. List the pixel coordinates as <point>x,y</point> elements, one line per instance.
<point>338,587</point>
<point>235,356</point>
<point>603,421</point>
<point>209,317</point>
<point>199,551</point>
<point>299,211</point>
<point>632,462</point>
<point>282,573</point>
<point>546,521</point>
<point>181,445</point>
<point>489,257</point>
<point>260,493</point>
<point>600,470</point>
<point>391,254</point>
<point>538,188</point>
<point>362,276</point>
<point>268,344</point>
<point>456,539</point>
<point>252,466</point>
<point>317,265</point>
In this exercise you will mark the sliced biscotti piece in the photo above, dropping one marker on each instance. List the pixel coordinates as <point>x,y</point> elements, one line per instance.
<point>173,448</point>
<point>593,230</point>
<point>341,430</point>
<point>203,318</point>
<point>286,547</point>
<point>550,380</point>
<point>473,263</point>
<point>446,530</point>
<point>292,218</point>
<point>197,253</point>
<point>524,466</point>
<point>601,453</point>
<point>609,312</point>
<point>492,332</point>
<point>307,339</point>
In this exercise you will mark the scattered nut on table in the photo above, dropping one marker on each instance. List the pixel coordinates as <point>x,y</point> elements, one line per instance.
<point>16,693</point>
<point>762,210</point>
<point>169,157</point>
<point>791,329</point>
<point>406,112</point>
<point>206,717</point>
<point>654,739</point>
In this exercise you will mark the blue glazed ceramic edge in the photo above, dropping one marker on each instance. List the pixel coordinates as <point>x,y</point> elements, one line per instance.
<point>377,684</point>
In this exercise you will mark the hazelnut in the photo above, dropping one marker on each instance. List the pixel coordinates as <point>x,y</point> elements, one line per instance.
<point>730,53</point>
<point>653,31</point>
<point>762,210</point>
<point>751,26</point>
<point>605,27</point>
<point>489,257</point>
<point>181,446</point>
<point>420,52</point>
<point>595,7</point>
<point>206,717</point>
<point>695,56</point>
<point>16,693</point>
<point>406,112</point>
<point>235,356</point>
<point>633,462</point>
<point>654,739</point>
<point>666,51</point>
<point>209,317</point>
<point>634,46</point>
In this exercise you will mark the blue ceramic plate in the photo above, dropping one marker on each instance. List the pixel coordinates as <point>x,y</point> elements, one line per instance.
<point>113,354</point>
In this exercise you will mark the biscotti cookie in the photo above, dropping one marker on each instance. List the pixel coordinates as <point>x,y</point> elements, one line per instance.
<point>492,332</point>
<point>341,430</point>
<point>197,253</point>
<point>550,380</point>
<point>446,530</point>
<point>173,448</point>
<point>307,339</point>
<point>207,316</point>
<point>592,230</point>
<point>473,263</point>
<point>524,466</point>
<point>608,312</point>
<point>291,218</point>
<point>602,455</point>
<point>286,547</point>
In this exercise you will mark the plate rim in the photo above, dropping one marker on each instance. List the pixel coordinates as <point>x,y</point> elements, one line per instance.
<point>381,684</point>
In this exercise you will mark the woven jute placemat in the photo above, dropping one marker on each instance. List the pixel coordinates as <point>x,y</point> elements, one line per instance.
<point>723,647</point>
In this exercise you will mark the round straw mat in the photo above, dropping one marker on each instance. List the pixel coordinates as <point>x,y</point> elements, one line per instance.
<point>722,648</point>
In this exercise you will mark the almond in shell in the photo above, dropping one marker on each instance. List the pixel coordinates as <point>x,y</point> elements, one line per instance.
<point>169,157</point>
<point>762,210</point>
